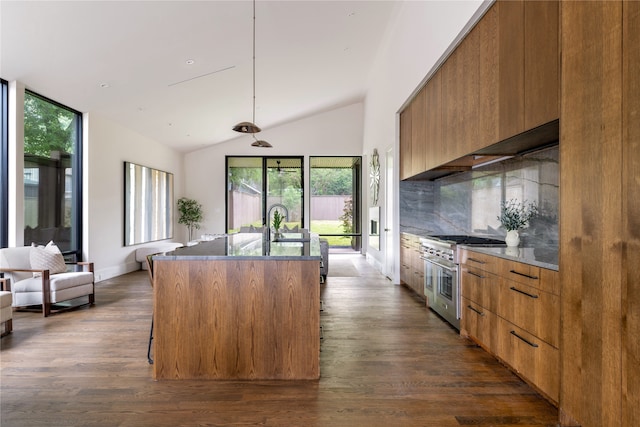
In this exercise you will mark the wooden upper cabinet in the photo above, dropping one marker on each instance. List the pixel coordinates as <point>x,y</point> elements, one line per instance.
<point>488,111</point>
<point>433,115</point>
<point>405,143</point>
<point>502,80</point>
<point>541,59</point>
<point>469,80</point>
<point>418,133</point>
<point>528,65</point>
<point>510,68</point>
<point>451,105</point>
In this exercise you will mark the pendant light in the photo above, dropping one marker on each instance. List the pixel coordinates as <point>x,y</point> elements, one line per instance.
<point>260,143</point>
<point>251,127</point>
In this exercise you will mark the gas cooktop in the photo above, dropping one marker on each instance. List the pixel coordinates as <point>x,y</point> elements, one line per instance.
<point>469,240</point>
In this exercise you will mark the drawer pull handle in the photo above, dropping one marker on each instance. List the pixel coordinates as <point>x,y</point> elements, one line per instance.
<point>524,293</point>
<point>476,260</point>
<point>475,274</point>
<point>525,340</point>
<point>523,275</point>
<point>477,311</point>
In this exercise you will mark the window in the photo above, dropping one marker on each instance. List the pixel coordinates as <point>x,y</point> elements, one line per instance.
<point>335,201</point>
<point>52,175</point>
<point>4,164</point>
<point>259,186</point>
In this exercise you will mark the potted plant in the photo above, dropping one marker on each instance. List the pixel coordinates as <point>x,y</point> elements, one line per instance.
<point>190,214</point>
<point>277,221</point>
<point>514,216</point>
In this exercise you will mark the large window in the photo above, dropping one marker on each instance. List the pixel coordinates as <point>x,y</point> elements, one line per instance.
<point>52,174</point>
<point>4,164</point>
<point>259,186</point>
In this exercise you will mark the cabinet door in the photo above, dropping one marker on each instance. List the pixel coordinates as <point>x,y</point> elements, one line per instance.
<point>488,111</point>
<point>469,78</point>
<point>433,112</point>
<point>541,59</point>
<point>405,143</point>
<point>511,67</point>
<point>451,106</point>
<point>418,133</point>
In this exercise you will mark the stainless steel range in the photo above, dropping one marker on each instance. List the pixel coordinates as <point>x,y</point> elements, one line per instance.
<point>441,272</point>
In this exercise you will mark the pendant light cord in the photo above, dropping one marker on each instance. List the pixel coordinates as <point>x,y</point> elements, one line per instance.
<point>254,62</point>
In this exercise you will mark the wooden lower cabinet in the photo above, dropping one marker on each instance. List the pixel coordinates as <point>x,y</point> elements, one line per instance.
<point>535,310</point>
<point>480,324</point>
<point>411,263</point>
<point>508,310</point>
<point>533,359</point>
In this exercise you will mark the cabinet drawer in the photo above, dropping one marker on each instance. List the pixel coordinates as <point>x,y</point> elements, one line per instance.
<point>531,309</point>
<point>479,324</point>
<point>479,286</point>
<point>480,261</point>
<point>530,357</point>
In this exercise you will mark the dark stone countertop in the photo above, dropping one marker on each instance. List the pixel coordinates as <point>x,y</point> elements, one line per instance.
<point>250,246</point>
<point>540,257</point>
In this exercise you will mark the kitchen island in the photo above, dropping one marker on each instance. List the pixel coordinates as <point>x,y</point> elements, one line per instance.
<point>238,307</point>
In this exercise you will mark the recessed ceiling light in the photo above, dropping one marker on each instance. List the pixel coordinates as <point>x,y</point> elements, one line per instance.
<point>190,62</point>
<point>104,85</point>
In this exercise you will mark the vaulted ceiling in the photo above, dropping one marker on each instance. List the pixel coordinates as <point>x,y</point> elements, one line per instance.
<point>180,72</point>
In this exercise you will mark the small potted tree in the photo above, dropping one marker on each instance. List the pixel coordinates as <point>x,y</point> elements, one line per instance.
<point>190,214</point>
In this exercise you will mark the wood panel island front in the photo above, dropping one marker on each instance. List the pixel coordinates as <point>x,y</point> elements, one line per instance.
<point>238,307</point>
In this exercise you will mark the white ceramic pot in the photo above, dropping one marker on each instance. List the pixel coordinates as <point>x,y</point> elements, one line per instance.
<point>513,238</point>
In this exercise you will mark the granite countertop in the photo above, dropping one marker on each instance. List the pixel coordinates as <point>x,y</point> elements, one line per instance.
<point>540,257</point>
<point>250,246</point>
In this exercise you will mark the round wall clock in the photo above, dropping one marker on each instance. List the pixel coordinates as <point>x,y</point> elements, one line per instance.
<point>374,176</point>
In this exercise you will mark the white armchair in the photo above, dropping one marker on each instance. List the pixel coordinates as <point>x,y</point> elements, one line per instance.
<point>44,288</point>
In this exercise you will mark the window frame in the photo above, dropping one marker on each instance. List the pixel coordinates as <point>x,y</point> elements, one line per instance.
<point>4,163</point>
<point>75,254</point>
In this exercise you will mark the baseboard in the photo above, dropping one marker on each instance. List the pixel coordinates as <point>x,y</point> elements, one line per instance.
<point>115,271</point>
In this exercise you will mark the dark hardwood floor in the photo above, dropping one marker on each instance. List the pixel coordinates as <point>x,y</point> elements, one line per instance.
<point>386,361</point>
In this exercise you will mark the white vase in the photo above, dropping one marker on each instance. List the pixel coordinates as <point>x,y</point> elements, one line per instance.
<point>513,238</point>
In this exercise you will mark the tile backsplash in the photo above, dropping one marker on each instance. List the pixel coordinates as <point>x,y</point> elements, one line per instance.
<point>469,202</point>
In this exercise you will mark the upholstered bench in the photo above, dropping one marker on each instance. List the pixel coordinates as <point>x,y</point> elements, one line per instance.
<point>6,312</point>
<point>141,253</point>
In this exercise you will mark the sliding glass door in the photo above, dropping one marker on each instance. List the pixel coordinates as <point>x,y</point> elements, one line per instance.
<point>335,184</point>
<point>259,186</point>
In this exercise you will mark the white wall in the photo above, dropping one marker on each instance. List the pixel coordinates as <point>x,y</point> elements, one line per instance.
<point>107,146</point>
<point>332,133</point>
<point>419,37</point>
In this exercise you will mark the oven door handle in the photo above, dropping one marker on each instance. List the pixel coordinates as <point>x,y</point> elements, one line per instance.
<point>446,267</point>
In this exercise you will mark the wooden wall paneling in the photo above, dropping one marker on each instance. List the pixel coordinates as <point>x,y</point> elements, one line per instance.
<point>405,143</point>
<point>541,63</point>
<point>488,109</point>
<point>590,214</point>
<point>631,211</point>
<point>511,67</point>
<point>418,133</point>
